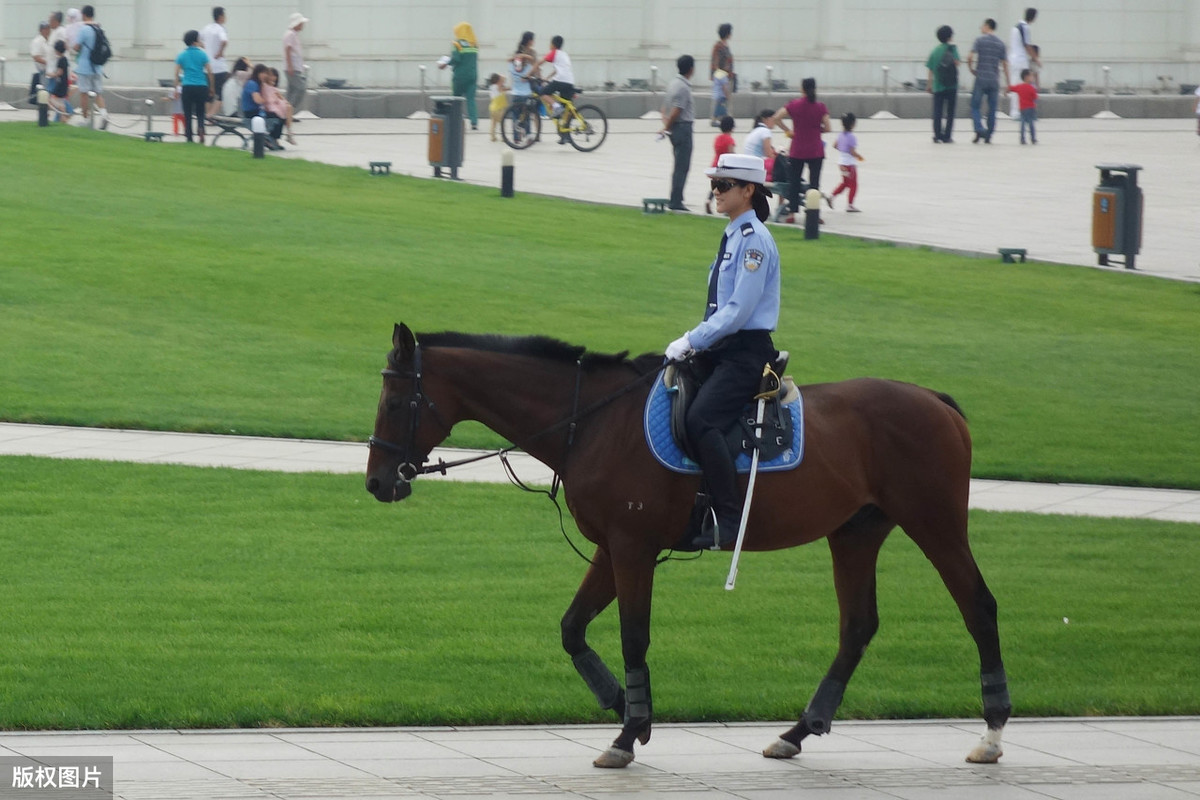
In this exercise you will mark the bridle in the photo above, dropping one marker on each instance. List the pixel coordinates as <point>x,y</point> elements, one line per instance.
<point>410,467</point>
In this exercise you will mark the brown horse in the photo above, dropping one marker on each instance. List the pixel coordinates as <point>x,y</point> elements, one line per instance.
<point>877,454</point>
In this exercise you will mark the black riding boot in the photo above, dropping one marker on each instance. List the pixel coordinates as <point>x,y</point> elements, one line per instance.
<point>720,475</point>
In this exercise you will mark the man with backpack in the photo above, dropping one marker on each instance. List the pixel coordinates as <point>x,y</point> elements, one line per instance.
<point>943,84</point>
<point>94,51</point>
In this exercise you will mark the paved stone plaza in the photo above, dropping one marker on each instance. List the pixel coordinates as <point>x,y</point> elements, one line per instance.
<point>960,197</point>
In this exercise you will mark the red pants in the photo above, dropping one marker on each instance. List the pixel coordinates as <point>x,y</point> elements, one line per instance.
<point>849,181</point>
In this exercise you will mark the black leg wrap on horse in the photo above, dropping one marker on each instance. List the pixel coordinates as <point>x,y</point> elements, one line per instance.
<point>599,678</point>
<point>637,694</point>
<point>823,705</point>
<point>996,703</point>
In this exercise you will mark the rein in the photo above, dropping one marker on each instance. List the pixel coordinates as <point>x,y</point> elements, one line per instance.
<point>408,471</point>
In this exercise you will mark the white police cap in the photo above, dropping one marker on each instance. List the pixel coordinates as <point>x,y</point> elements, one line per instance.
<point>750,169</point>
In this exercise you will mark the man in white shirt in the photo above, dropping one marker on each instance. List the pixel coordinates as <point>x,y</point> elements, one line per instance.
<point>293,61</point>
<point>41,56</point>
<point>215,39</point>
<point>58,32</point>
<point>1021,54</point>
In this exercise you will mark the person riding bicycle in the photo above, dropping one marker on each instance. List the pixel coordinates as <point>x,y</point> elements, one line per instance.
<point>730,347</point>
<point>520,69</point>
<point>560,82</point>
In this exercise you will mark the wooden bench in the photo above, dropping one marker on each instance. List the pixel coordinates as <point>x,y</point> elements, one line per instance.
<point>654,205</point>
<point>381,167</point>
<point>1009,255</point>
<point>153,136</point>
<point>234,125</point>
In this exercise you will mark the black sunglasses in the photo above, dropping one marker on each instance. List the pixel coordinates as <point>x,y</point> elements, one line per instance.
<point>724,184</point>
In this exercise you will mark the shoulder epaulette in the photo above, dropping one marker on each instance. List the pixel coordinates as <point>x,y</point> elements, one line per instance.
<point>747,228</point>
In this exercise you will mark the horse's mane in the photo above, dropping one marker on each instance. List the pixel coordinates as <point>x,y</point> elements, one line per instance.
<point>538,347</point>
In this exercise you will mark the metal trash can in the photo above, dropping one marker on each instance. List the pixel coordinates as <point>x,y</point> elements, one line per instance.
<point>446,135</point>
<point>1117,206</point>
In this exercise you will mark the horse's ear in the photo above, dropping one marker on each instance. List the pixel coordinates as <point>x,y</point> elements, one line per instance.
<point>403,340</point>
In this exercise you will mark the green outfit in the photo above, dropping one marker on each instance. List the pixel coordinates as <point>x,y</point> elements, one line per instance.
<point>464,61</point>
<point>935,58</point>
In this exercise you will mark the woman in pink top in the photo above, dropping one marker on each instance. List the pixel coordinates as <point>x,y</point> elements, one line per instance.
<point>810,119</point>
<point>275,104</point>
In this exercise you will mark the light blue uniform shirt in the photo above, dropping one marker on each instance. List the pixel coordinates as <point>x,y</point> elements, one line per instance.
<point>748,284</point>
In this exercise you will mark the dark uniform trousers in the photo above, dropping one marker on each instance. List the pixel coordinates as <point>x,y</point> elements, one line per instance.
<point>731,372</point>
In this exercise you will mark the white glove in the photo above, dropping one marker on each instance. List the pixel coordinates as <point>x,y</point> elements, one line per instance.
<point>679,349</point>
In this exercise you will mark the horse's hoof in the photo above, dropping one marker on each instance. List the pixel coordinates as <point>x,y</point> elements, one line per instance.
<point>614,758</point>
<point>781,748</point>
<point>985,753</point>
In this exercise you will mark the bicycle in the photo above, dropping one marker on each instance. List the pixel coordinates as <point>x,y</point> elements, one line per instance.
<point>585,126</point>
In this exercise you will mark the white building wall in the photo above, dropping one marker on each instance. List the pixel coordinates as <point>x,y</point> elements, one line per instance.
<point>843,43</point>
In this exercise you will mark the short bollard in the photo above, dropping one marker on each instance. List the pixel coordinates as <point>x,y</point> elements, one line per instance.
<point>258,127</point>
<point>43,104</point>
<point>92,110</point>
<point>506,174</point>
<point>812,214</point>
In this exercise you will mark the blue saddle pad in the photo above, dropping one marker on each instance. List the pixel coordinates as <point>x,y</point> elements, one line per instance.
<point>657,424</point>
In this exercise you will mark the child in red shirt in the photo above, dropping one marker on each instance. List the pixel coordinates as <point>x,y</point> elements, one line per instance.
<point>1027,93</point>
<point>721,145</point>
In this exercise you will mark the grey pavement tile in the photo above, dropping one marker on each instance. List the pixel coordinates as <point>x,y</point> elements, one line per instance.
<point>428,767</point>
<point>305,738</point>
<point>396,750</point>
<point>121,752</point>
<point>520,748</point>
<point>974,792</point>
<point>1014,756</point>
<point>207,752</point>
<point>692,764</point>
<point>494,734</point>
<point>174,770</point>
<point>922,741</point>
<point>18,741</point>
<point>1185,741</point>
<point>229,737</point>
<point>1111,791</point>
<point>657,794</point>
<point>221,789</point>
<point>1136,725</point>
<point>884,760</point>
<point>549,768</point>
<point>286,768</point>
<point>847,793</point>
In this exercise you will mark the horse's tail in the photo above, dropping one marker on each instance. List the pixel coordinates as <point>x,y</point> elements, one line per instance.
<point>948,400</point>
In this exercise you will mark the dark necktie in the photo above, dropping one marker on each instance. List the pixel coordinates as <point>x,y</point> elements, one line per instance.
<point>712,279</point>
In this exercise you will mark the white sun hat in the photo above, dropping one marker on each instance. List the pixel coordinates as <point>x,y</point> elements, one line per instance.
<point>750,169</point>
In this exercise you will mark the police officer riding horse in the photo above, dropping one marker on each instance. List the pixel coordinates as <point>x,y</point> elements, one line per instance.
<point>727,351</point>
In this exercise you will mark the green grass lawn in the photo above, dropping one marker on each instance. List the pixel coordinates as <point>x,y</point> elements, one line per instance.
<point>197,289</point>
<point>154,596</point>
